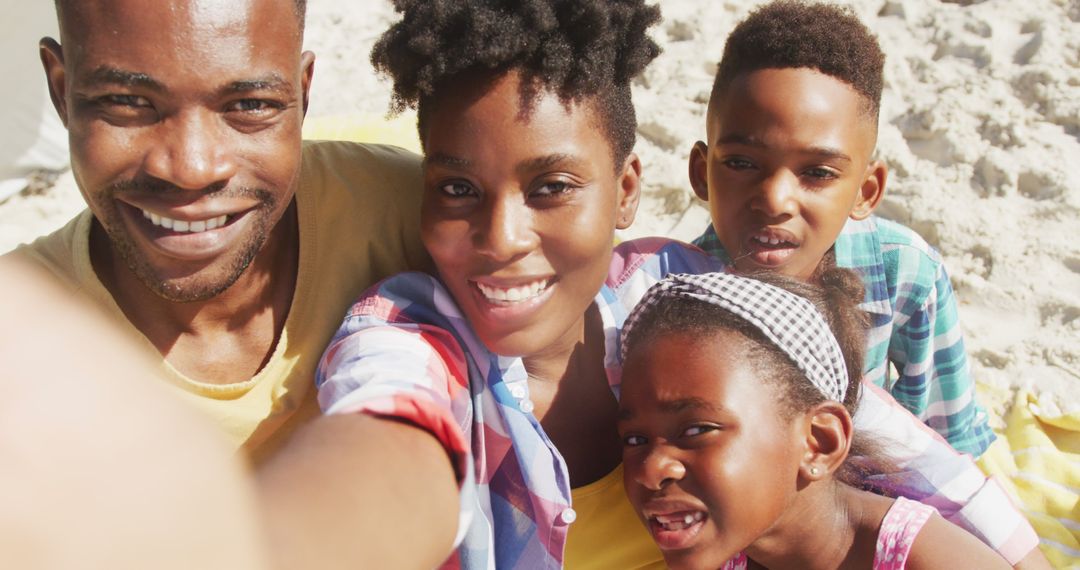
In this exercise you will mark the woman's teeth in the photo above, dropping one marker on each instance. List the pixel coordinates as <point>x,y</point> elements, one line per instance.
<point>680,521</point>
<point>185,226</point>
<point>513,294</point>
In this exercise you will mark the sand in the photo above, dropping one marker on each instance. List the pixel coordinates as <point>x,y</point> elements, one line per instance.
<point>980,126</point>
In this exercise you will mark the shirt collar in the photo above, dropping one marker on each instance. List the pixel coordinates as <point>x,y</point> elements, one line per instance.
<point>857,248</point>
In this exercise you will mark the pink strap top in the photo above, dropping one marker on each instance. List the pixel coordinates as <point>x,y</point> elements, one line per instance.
<point>898,531</point>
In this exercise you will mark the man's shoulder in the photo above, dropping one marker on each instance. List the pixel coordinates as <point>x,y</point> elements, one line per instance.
<point>364,158</point>
<point>349,175</point>
<point>63,253</point>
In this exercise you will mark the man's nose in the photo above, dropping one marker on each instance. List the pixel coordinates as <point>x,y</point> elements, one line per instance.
<point>191,151</point>
<point>506,231</point>
<point>657,469</point>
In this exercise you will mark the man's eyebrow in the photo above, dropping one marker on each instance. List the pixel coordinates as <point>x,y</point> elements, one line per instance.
<point>822,151</point>
<point>269,82</point>
<point>106,75</point>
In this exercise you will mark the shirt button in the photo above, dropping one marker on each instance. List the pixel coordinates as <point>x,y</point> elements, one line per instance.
<point>526,406</point>
<point>517,391</point>
<point>568,516</point>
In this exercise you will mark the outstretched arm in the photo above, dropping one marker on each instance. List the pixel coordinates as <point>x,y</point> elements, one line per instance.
<point>357,491</point>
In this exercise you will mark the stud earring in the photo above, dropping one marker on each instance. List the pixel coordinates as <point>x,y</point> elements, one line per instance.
<point>814,471</point>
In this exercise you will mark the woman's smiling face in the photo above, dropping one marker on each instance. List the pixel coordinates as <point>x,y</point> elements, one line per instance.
<point>520,207</point>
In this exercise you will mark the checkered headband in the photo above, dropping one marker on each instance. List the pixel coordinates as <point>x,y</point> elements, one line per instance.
<point>791,322</point>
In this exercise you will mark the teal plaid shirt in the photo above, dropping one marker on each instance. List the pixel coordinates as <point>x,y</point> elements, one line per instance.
<point>914,325</point>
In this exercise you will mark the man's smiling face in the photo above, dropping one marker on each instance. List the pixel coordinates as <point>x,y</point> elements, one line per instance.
<point>184,124</point>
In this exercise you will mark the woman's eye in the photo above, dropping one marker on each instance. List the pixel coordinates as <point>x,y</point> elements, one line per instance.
<point>633,440</point>
<point>456,189</point>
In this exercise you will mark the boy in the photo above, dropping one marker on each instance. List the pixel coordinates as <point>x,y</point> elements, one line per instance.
<point>791,182</point>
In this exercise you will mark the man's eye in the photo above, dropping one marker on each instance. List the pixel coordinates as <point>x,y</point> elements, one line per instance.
<point>254,106</point>
<point>821,173</point>
<point>124,101</point>
<point>634,440</point>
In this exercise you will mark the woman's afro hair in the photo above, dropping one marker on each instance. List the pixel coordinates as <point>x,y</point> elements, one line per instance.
<point>576,49</point>
<point>793,34</point>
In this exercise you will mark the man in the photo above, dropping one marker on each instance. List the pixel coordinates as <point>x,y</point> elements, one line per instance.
<point>202,237</point>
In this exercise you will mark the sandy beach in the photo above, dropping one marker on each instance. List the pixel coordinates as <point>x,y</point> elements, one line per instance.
<point>980,126</point>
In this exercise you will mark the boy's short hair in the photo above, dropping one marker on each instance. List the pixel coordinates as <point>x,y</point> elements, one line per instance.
<point>576,49</point>
<point>792,34</point>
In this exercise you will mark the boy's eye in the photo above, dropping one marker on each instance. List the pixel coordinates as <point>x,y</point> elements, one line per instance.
<point>634,441</point>
<point>736,163</point>
<point>553,188</point>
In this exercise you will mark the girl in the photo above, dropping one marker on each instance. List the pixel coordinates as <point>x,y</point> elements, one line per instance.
<point>735,418</point>
<point>507,363</point>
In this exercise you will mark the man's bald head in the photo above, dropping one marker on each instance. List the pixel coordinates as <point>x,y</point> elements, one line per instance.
<point>62,8</point>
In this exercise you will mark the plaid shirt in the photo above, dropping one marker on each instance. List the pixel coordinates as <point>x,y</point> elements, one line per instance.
<point>405,351</point>
<point>914,325</point>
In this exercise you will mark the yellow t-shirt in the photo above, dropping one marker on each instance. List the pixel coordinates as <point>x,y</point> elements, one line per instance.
<point>358,209</point>
<point>607,532</point>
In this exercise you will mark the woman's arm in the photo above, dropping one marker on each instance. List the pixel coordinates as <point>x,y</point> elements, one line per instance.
<point>358,491</point>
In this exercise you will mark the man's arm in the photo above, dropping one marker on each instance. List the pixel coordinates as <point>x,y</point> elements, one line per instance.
<point>356,491</point>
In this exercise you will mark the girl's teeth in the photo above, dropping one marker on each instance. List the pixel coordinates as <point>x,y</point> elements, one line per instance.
<point>183,226</point>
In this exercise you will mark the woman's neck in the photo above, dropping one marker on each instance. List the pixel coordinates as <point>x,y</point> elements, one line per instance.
<point>829,525</point>
<point>573,402</point>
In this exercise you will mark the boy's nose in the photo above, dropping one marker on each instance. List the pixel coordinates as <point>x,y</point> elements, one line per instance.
<point>189,151</point>
<point>776,196</point>
<point>506,232</point>
<point>657,470</point>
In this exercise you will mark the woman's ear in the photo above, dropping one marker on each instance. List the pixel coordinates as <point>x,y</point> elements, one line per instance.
<point>629,192</point>
<point>828,439</point>
<point>699,170</point>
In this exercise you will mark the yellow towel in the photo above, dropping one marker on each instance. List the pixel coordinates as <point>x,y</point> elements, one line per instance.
<point>398,131</point>
<point>1037,459</point>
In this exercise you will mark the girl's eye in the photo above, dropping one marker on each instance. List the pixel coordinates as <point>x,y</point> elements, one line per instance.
<point>698,430</point>
<point>633,441</point>
<point>456,189</point>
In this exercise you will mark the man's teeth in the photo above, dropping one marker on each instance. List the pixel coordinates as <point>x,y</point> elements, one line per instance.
<point>679,522</point>
<point>185,226</point>
<point>513,294</point>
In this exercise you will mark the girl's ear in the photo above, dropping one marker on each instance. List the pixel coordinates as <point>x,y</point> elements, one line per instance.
<point>828,439</point>
<point>629,192</point>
